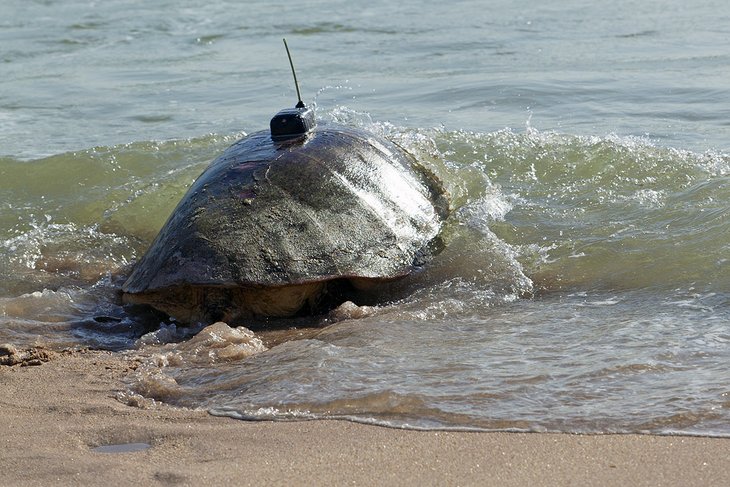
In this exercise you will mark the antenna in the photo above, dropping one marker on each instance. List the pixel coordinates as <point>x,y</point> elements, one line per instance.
<point>291,123</point>
<point>300,104</point>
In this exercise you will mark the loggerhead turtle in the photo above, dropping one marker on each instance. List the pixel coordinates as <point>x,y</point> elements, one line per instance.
<point>287,216</point>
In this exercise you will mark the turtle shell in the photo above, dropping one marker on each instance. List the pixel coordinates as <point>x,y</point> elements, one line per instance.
<point>336,203</point>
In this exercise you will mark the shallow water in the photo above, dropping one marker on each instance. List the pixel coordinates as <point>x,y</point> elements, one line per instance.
<point>583,284</point>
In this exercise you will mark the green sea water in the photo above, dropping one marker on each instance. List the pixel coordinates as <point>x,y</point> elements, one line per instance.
<point>583,287</point>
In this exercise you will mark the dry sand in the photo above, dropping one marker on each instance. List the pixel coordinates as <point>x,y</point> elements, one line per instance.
<point>53,415</point>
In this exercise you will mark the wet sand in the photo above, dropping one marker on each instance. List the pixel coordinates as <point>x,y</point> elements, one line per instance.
<point>55,413</point>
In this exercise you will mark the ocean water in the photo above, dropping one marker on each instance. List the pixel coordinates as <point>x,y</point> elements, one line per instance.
<point>583,286</point>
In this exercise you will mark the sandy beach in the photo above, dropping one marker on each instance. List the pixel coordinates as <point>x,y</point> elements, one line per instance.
<point>57,414</point>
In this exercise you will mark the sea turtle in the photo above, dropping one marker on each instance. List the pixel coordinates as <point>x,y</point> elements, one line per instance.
<point>287,216</point>
<point>270,225</point>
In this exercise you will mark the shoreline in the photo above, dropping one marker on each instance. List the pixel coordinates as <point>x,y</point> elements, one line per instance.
<point>56,410</point>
